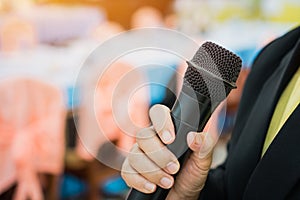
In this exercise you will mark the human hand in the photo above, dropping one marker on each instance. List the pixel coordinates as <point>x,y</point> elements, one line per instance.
<point>150,163</point>
<point>28,187</point>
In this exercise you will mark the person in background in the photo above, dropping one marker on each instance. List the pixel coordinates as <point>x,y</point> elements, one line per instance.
<point>263,160</point>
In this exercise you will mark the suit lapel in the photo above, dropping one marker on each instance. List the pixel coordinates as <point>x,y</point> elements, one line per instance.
<point>279,170</point>
<point>248,149</point>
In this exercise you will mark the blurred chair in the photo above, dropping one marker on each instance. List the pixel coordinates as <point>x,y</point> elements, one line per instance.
<point>120,108</point>
<point>32,117</point>
<point>17,34</point>
<point>107,128</point>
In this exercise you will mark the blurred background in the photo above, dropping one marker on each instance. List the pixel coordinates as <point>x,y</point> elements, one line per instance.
<point>43,44</point>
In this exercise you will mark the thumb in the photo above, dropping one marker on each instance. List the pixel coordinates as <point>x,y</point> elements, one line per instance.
<point>190,182</point>
<point>202,144</point>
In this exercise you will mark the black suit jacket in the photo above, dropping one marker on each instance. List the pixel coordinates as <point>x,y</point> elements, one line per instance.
<point>245,175</point>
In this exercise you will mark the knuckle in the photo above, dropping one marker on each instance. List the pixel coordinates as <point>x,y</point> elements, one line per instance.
<point>158,155</point>
<point>145,133</point>
<point>125,167</point>
<point>134,154</point>
<point>163,154</point>
<point>155,175</point>
<point>134,148</point>
<point>131,159</point>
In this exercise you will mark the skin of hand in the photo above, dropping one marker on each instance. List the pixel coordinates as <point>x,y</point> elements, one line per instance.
<point>28,189</point>
<point>150,164</point>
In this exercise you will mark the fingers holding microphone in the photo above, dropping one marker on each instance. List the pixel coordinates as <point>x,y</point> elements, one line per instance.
<point>151,164</point>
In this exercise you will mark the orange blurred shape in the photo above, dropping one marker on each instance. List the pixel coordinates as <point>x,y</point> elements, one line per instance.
<point>32,117</point>
<point>17,34</point>
<point>171,21</point>
<point>147,16</point>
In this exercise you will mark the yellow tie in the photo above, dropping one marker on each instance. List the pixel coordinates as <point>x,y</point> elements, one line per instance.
<point>287,103</point>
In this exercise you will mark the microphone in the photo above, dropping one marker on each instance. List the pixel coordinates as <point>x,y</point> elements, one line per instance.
<point>209,78</point>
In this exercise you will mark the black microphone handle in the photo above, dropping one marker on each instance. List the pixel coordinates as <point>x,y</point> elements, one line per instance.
<point>190,112</point>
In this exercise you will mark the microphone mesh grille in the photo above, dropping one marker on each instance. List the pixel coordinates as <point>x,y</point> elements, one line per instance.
<point>218,61</point>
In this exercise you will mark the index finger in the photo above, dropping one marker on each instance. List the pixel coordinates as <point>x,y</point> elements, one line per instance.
<point>162,123</point>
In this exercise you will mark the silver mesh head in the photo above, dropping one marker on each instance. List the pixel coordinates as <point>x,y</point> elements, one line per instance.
<point>213,71</point>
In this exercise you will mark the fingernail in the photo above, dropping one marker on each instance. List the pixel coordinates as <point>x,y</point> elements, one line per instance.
<point>149,186</point>
<point>166,136</point>
<point>172,167</point>
<point>190,137</point>
<point>166,182</point>
<point>207,147</point>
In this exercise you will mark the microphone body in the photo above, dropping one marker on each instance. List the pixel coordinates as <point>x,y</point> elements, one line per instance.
<point>203,89</point>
